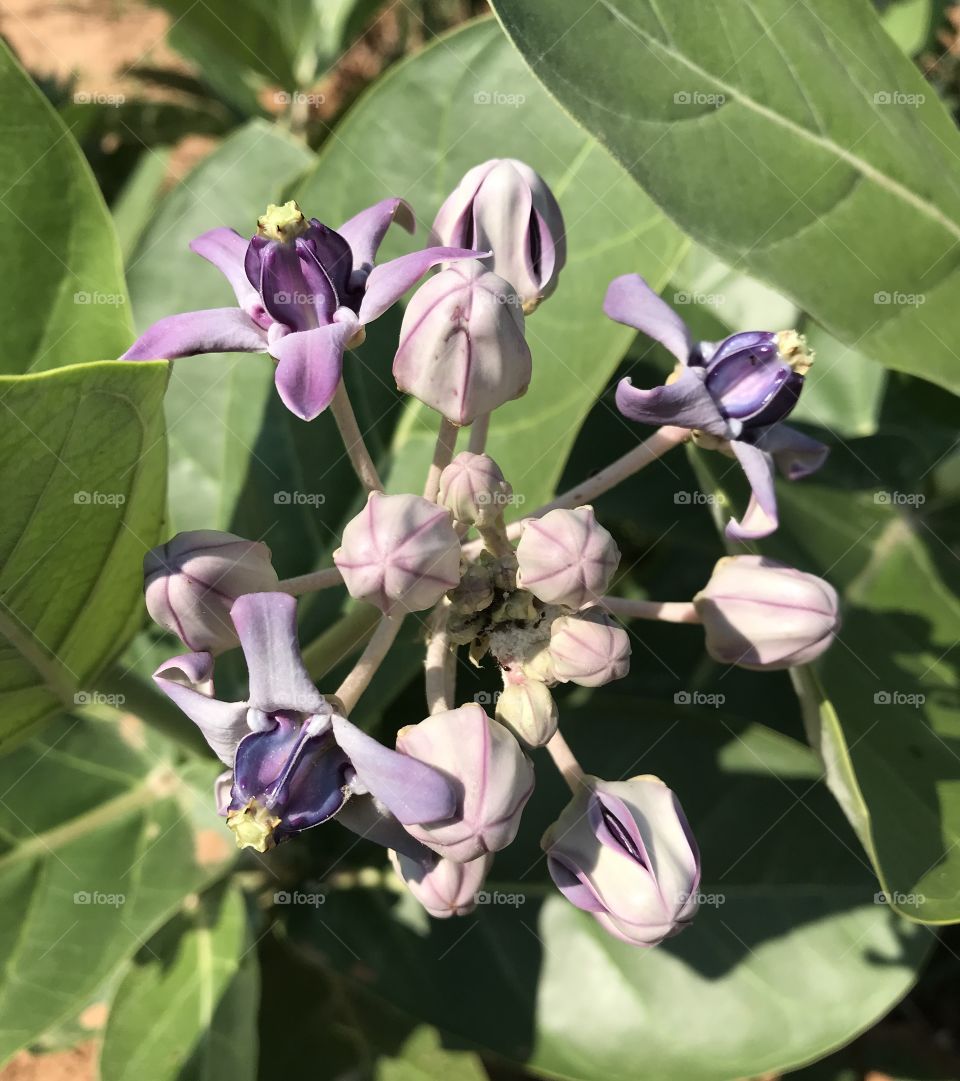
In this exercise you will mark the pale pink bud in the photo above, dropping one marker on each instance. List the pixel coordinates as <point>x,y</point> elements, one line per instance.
<point>400,553</point>
<point>495,780</point>
<point>473,488</point>
<point>758,613</point>
<point>589,649</point>
<point>566,557</point>
<point>443,886</point>
<point>462,348</point>
<point>191,582</point>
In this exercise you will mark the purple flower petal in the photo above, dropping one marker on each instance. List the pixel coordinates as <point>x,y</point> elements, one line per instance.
<point>389,281</point>
<point>283,287</point>
<point>324,252</point>
<point>684,402</point>
<point>227,250</point>
<point>631,301</point>
<point>365,231</point>
<point>362,816</point>
<point>310,364</point>
<point>267,627</point>
<point>415,792</point>
<point>221,792</point>
<point>454,221</point>
<point>796,454</point>
<point>574,885</point>
<point>216,330</point>
<point>223,724</point>
<point>760,519</point>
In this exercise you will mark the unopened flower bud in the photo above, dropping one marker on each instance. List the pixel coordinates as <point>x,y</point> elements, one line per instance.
<point>444,887</point>
<point>527,708</point>
<point>495,780</point>
<point>474,490</point>
<point>505,207</point>
<point>623,852</point>
<point>462,347</point>
<point>566,557</point>
<point>191,582</point>
<point>589,649</point>
<point>758,613</point>
<point>400,553</point>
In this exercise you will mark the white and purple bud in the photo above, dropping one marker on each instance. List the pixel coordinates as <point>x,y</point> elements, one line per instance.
<point>474,490</point>
<point>589,649</point>
<point>492,776</point>
<point>761,614</point>
<point>444,887</point>
<point>506,207</point>
<point>191,582</point>
<point>527,708</point>
<point>623,852</point>
<point>462,346</point>
<point>400,553</point>
<point>566,557</point>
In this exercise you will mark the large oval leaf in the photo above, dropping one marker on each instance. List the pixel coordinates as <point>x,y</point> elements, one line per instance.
<point>794,138</point>
<point>64,296</point>
<point>104,834</point>
<point>461,101</point>
<point>82,466</point>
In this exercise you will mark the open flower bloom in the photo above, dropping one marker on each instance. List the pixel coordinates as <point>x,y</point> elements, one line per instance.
<point>304,293</point>
<point>295,761</point>
<point>736,391</point>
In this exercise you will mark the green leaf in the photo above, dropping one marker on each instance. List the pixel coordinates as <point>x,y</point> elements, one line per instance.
<point>795,140</point>
<point>416,132</point>
<point>188,1006</point>
<point>135,205</point>
<point>908,23</point>
<point>82,460</point>
<point>103,835</point>
<point>789,956</point>
<point>64,296</point>
<point>423,1058</point>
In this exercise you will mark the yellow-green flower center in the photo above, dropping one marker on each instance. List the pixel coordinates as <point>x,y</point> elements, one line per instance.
<point>253,826</point>
<point>284,223</point>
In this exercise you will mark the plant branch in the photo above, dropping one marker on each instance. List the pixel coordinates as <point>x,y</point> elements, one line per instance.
<point>352,438</point>
<point>442,456</point>
<point>565,761</point>
<point>667,611</point>
<point>373,656</point>
<point>311,583</point>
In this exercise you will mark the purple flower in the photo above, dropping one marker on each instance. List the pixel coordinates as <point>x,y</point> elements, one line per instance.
<point>737,392</point>
<point>295,761</point>
<point>623,851</point>
<point>304,293</point>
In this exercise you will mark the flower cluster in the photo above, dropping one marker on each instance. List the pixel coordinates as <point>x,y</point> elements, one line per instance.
<point>532,598</point>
